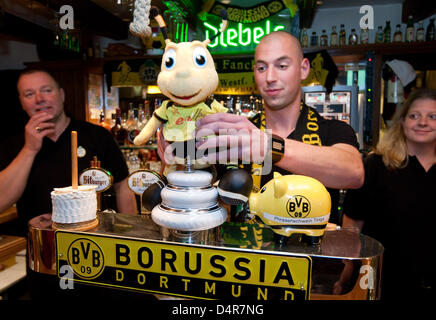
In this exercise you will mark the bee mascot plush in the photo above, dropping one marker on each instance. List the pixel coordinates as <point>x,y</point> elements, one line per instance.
<point>187,78</point>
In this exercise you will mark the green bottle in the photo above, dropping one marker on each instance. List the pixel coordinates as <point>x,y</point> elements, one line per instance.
<point>410,30</point>
<point>430,35</point>
<point>387,32</point>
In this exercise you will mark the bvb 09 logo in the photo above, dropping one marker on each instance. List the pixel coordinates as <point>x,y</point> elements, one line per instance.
<point>298,206</point>
<point>85,258</point>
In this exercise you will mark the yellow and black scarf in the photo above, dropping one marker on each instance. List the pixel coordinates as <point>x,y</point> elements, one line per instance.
<point>306,131</point>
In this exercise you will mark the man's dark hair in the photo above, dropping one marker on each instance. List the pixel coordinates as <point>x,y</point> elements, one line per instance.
<point>28,71</point>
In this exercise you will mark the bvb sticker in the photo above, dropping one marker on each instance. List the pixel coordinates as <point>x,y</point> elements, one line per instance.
<point>85,258</point>
<point>298,206</point>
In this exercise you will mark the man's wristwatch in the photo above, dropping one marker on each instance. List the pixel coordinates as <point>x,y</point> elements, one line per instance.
<point>277,148</point>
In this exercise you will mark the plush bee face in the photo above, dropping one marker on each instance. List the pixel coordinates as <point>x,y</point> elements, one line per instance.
<point>188,74</point>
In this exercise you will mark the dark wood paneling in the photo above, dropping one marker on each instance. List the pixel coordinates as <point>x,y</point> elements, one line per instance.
<point>93,18</point>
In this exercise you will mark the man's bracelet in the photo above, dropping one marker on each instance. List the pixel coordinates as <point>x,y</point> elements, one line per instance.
<point>277,148</point>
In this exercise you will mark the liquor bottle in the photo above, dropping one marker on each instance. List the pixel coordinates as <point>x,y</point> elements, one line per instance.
<point>97,51</point>
<point>410,30</point>
<point>238,106</point>
<point>131,126</point>
<point>56,40</point>
<point>157,103</point>
<point>324,39</point>
<point>398,36</point>
<point>352,39</point>
<point>147,111</point>
<point>430,34</point>
<point>342,36</point>
<point>314,39</point>
<point>387,32</point>
<point>102,122</point>
<point>229,104</point>
<point>379,35</point>
<point>62,40</point>
<point>334,37</point>
<point>304,38</point>
<point>78,44</point>
<point>113,119</point>
<point>141,117</point>
<point>67,41</point>
<point>364,36</point>
<point>118,132</point>
<point>75,43</point>
<point>245,110</point>
<point>253,110</point>
<point>90,51</point>
<point>130,121</point>
<point>124,120</point>
<point>420,33</point>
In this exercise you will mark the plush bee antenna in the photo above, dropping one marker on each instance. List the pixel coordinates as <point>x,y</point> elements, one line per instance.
<point>154,13</point>
<point>225,24</point>
<point>223,14</point>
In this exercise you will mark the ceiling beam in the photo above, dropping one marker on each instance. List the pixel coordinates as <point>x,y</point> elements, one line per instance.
<point>19,29</point>
<point>93,19</point>
<point>32,12</point>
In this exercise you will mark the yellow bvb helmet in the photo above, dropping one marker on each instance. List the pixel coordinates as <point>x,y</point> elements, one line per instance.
<point>292,204</point>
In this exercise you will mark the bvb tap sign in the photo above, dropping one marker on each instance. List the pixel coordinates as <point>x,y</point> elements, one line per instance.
<point>185,270</point>
<point>86,258</point>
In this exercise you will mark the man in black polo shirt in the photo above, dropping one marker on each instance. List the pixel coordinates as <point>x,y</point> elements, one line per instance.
<point>35,162</point>
<point>326,150</point>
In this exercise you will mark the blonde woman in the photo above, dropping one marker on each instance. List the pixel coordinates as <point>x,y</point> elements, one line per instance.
<point>396,204</point>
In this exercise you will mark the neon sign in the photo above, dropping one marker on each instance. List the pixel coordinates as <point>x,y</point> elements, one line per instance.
<point>181,32</point>
<point>241,35</point>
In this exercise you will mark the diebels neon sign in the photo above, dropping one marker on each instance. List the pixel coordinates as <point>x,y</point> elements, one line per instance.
<point>242,35</point>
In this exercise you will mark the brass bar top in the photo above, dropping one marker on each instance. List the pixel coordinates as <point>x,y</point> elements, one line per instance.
<point>338,249</point>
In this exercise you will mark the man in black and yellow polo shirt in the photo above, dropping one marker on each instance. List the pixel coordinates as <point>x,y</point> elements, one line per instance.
<point>303,142</point>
